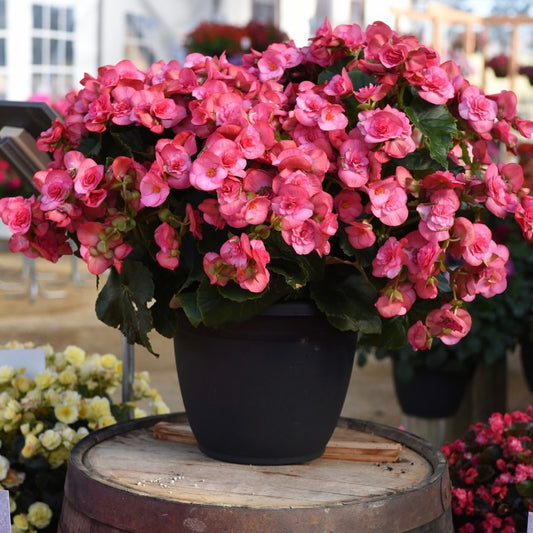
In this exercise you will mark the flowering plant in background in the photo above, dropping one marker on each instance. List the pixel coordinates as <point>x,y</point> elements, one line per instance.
<point>352,172</point>
<point>41,419</point>
<point>499,64</point>
<point>10,183</point>
<point>491,470</point>
<point>214,38</point>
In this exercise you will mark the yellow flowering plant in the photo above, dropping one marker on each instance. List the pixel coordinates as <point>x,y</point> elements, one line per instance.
<point>41,419</point>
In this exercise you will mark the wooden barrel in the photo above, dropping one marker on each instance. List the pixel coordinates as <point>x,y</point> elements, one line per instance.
<point>123,479</point>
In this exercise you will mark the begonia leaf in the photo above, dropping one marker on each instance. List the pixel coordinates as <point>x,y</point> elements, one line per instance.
<point>436,125</point>
<point>124,301</point>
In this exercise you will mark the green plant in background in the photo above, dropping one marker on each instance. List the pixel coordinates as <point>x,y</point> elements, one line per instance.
<point>41,419</point>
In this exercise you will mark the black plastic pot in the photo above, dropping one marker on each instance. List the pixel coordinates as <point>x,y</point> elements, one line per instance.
<point>267,391</point>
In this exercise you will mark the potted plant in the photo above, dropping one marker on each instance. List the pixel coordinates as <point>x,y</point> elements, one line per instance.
<point>491,470</point>
<point>500,65</point>
<point>43,417</point>
<point>350,173</point>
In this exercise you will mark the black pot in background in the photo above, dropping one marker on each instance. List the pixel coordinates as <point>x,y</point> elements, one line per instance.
<point>431,393</point>
<point>267,391</point>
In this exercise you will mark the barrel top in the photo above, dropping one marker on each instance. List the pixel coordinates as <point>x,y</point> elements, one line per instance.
<point>132,460</point>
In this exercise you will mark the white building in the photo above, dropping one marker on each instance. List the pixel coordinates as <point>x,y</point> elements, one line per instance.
<point>46,46</point>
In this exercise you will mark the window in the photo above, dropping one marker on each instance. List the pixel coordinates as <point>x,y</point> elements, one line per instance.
<point>264,11</point>
<point>141,35</point>
<point>52,49</point>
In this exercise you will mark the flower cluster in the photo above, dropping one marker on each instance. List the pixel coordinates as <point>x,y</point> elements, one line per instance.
<point>41,419</point>
<point>214,38</point>
<point>10,183</point>
<point>491,471</point>
<point>352,172</point>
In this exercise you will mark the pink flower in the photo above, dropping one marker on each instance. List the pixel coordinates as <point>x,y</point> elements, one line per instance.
<point>450,325</point>
<point>435,86</point>
<point>292,205</point>
<point>388,126</point>
<point>388,201</point>
<point>482,248</point>
<point>418,336</point>
<point>207,172</point>
<point>437,218</point>
<point>56,189</point>
<point>395,299</point>
<point>353,162</point>
<point>154,189</point>
<point>360,234</point>
<point>348,205</point>
<point>390,258</point>
<point>167,239</point>
<point>332,117</point>
<point>479,110</point>
<point>88,176</point>
<point>16,212</point>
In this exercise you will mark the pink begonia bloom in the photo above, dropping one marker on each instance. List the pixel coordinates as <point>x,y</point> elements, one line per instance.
<point>339,85</point>
<point>271,65</point>
<point>392,55</point>
<point>390,258</point>
<point>388,126</point>
<point>351,35</point>
<point>435,85</point>
<point>309,106</point>
<point>15,212</point>
<point>88,176</point>
<point>360,234</point>
<point>418,337</point>
<point>56,189</point>
<point>348,205</point>
<point>123,109</point>
<point>211,212</point>
<point>207,172</point>
<point>371,93</point>
<point>492,276</point>
<point>482,248</point>
<point>154,190</point>
<point>388,201</point>
<point>479,110</point>
<point>166,238</point>
<point>448,324</point>
<point>353,162</point>
<point>98,113</point>
<point>437,217</point>
<point>502,186</point>
<point>256,210</point>
<point>292,206</point>
<point>305,238</point>
<point>216,269</point>
<point>99,249</point>
<point>395,299</point>
<point>175,163</point>
<point>524,216</point>
<point>230,156</point>
<point>250,143</point>
<point>254,277</point>
<point>332,117</point>
<point>235,251</point>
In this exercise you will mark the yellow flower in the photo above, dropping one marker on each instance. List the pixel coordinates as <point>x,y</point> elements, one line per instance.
<point>99,407</point>
<point>70,397</point>
<point>20,521</point>
<point>50,439</point>
<point>74,355</point>
<point>68,414</point>
<point>22,384</point>
<point>67,377</point>
<point>31,446</point>
<point>45,379</point>
<point>59,456</point>
<point>139,413</point>
<point>6,373</point>
<point>12,411</point>
<point>107,420</point>
<point>12,504</point>
<point>109,361</point>
<point>4,467</point>
<point>159,407</point>
<point>39,515</point>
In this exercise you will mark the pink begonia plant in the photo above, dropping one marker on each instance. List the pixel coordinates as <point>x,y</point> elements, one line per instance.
<point>491,470</point>
<point>351,172</point>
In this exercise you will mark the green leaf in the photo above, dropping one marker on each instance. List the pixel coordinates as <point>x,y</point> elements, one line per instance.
<point>436,125</point>
<point>299,269</point>
<point>392,336</point>
<point>346,303</point>
<point>216,310</point>
<point>123,302</point>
